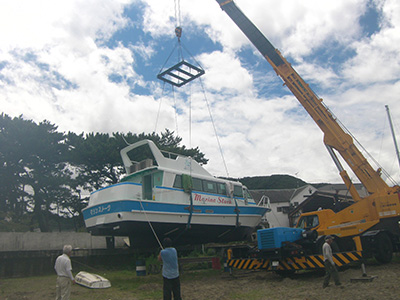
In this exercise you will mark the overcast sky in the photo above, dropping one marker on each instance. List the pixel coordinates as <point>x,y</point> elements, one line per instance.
<point>91,66</point>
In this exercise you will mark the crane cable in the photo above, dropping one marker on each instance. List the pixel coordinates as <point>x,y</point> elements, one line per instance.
<point>176,111</point>
<point>175,108</point>
<point>389,178</point>
<point>178,32</point>
<point>208,107</point>
<point>215,130</point>
<point>151,226</point>
<point>177,12</point>
<point>159,108</point>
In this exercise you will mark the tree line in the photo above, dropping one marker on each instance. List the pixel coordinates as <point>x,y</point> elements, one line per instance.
<point>46,175</point>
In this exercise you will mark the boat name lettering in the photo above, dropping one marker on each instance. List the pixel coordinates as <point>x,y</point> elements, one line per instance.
<point>224,201</point>
<point>100,209</point>
<point>218,200</point>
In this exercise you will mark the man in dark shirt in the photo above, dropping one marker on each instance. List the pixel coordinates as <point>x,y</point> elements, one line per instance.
<point>170,271</point>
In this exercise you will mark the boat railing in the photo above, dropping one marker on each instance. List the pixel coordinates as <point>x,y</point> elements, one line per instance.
<point>264,201</point>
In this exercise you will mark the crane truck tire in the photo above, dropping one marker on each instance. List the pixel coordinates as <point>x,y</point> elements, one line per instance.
<point>384,248</point>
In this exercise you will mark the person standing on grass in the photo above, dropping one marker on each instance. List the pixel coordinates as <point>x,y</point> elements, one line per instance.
<point>64,274</point>
<point>170,271</point>
<point>330,268</point>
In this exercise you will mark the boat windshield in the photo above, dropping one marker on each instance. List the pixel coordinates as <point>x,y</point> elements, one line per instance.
<point>247,194</point>
<point>237,191</point>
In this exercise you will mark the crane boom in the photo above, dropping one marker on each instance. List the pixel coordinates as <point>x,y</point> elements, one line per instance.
<point>335,136</point>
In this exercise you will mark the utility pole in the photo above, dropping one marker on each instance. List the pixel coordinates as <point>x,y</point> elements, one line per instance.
<point>393,135</point>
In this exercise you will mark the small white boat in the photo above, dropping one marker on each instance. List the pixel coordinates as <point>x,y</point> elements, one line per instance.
<point>176,196</point>
<point>92,281</point>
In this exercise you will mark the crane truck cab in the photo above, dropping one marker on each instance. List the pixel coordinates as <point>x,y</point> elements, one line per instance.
<point>315,219</point>
<point>314,225</point>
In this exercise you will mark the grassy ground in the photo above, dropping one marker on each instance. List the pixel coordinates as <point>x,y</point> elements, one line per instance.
<point>214,284</point>
<point>125,285</point>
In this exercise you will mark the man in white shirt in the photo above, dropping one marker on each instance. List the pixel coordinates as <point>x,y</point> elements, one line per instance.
<point>330,267</point>
<point>64,274</point>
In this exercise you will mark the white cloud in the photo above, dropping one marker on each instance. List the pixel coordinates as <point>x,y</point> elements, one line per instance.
<point>55,64</point>
<point>60,69</point>
<point>325,77</point>
<point>30,24</point>
<point>159,17</point>
<point>224,72</point>
<point>377,59</point>
<point>314,24</point>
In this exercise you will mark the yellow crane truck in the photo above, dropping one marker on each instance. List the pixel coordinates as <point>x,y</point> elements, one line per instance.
<point>367,228</point>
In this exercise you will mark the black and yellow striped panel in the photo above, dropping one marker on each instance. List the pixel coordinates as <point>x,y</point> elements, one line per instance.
<point>296,263</point>
<point>345,258</point>
<point>248,263</point>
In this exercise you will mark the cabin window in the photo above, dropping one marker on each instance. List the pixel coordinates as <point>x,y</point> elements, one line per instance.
<point>308,222</point>
<point>221,188</point>
<point>237,191</point>
<point>205,186</point>
<point>209,186</point>
<point>197,184</point>
<point>178,182</point>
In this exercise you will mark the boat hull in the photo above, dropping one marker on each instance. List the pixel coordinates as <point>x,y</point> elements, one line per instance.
<point>141,235</point>
<point>146,221</point>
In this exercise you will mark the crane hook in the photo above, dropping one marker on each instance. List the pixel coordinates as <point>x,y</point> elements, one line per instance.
<point>178,32</point>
